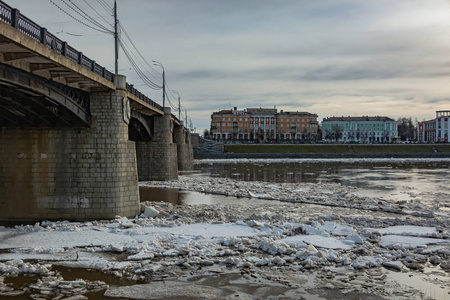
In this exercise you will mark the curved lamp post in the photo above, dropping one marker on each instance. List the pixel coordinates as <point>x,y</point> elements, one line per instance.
<point>155,63</point>
<point>179,106</point>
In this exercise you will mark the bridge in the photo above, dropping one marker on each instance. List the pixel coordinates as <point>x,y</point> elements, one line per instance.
<point>75,139</point>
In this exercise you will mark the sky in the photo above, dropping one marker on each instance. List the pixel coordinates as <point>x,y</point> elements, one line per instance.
<point>329,57</point>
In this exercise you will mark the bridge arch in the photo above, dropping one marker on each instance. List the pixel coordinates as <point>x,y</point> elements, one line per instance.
<point>140,128</point>
<point>28,100</point>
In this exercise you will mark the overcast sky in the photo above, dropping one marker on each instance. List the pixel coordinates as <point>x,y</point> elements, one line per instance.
<point>329,57</point>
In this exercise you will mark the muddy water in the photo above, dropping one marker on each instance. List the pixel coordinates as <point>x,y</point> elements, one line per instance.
<point>391,180</point>
<point>397,180</point>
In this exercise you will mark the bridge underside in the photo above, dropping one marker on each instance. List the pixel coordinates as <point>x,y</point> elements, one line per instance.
<point>27,100</point>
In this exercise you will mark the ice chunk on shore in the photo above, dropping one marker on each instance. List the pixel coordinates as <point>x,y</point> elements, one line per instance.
<point>409,230</point>
<point>318,241</point>
<point>409,242</point>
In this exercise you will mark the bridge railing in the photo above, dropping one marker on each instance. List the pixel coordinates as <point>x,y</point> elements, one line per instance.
<point>13,17</point>
<point>132,90</point>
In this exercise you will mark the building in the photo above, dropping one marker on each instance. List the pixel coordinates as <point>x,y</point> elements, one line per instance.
<point>435,130</point>
<point>426,131</point>
<point>359,129</point>
<point>262,125</point>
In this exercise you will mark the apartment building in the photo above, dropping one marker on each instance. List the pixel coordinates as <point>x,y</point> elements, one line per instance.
<point>262,125</point>
<point>359,129</point>
<point>435,130</point>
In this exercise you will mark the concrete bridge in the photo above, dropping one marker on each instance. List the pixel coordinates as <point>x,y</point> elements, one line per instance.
<point>74,138</point>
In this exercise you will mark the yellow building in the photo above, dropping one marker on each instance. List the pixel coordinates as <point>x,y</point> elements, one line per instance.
<point>263,125</point>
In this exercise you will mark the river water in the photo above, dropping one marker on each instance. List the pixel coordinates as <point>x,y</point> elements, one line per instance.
<point>397,180</point>
<point>390,179</point>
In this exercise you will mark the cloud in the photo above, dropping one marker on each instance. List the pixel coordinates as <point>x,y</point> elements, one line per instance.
<point>349,57</point>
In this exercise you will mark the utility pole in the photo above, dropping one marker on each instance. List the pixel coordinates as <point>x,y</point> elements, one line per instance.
<point>116,39</point>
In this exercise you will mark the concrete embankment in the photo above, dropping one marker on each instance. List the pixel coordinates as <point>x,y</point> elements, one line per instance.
<point>332,151</point>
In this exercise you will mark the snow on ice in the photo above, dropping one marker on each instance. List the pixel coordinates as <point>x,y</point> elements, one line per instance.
<point>315,228</point>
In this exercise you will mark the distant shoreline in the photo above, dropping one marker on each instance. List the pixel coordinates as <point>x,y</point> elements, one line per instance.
<point>232,151</point>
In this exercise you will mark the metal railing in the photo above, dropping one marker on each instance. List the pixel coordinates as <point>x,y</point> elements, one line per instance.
<point>141,96</point>
<point>12,16</point>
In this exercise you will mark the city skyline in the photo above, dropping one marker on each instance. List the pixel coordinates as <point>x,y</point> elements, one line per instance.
<point>332,58</point>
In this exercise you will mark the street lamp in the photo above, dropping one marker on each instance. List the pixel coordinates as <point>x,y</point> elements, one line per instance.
<point>179,106</point>
<point>155,63</point>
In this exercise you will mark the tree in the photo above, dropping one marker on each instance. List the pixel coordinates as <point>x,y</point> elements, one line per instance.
<point>406,129</point>
<point>334,133</point>
<point>337,132</point>
<point>206,134</point>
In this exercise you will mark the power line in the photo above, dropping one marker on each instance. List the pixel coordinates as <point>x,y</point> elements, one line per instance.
<point>84,15</point>
<point>137,68</point>
<point>105,5</point>
<point>140,55</point>
<point>98,13</point>
<point>79,21</point>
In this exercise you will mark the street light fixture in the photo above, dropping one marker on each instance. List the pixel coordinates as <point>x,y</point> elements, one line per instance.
<point>155,63</point>
<point>179,105</point>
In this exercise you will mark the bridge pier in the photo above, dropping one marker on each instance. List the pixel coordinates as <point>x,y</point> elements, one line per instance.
<point>157,159</point>
<point>71,173</point>
<point>184,148</point>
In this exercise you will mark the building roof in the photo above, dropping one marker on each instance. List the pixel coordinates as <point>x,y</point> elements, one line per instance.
<point>298,113</point>
<point>360,119</point>
<point>260,110</point>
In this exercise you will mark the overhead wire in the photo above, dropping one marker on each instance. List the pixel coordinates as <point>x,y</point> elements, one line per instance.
<point>138,62</point>
<point>137,68</point>
<point>85,15</point>
<point>154,71</point>
<point>111,13</point>
<point>105,5</point>
<point>79,21</point>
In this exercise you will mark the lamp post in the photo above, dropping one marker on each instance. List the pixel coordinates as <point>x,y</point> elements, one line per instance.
<point>155,63</point>
<point>179,105</point>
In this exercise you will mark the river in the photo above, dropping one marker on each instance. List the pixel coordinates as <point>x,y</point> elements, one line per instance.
<point>390,179</point>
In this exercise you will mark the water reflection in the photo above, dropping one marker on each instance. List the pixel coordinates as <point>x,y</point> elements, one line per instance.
<point>177,197</point>
<point>390,179</point>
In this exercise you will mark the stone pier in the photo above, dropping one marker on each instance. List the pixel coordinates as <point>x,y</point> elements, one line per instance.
<point>157,159</point>
<point>184,148</point>
<point>71,173</point>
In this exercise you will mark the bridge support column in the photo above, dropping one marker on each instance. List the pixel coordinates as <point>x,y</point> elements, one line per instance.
<point>157,159</point>
<point>71,173</point>
<point>184,148</point>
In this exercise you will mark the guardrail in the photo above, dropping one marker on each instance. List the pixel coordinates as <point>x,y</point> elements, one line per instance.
<point>13,17</point>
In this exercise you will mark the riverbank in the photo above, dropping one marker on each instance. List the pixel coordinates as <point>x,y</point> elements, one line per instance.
<point>330,151</point>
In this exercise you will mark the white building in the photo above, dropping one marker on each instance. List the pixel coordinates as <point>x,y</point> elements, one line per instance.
<point>359,129</point>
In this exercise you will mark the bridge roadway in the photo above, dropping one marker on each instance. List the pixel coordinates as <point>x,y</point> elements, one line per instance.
<point>74,138</point>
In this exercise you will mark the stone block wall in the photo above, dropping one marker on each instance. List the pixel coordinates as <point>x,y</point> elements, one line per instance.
<point>184,149</point>
<point>157,159</point>
<point>71,173</point>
